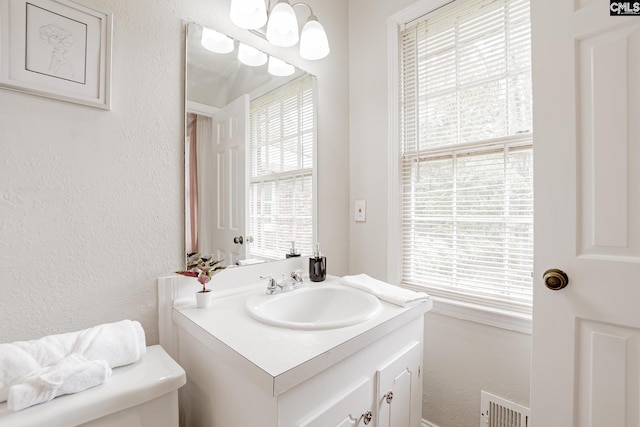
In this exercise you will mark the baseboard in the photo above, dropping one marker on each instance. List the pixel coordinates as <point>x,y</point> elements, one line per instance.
<point>426,423</point>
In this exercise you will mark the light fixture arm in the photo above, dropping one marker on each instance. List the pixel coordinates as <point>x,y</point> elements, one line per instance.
<point>305,4</point>
<point>282,29</point>
<point>269,4</point>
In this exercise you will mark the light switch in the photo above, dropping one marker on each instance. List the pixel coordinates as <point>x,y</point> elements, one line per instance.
<point>361,211</point>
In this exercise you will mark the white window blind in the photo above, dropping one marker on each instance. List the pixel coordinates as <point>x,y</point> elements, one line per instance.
<point>281,148</point>
<point>466,153</point>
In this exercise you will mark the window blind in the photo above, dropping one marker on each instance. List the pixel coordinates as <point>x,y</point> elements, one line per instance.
<point>466,153</point>
<point>282,133</point>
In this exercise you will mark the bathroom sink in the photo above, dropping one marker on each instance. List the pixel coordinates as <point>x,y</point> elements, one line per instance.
<point>316,307</point>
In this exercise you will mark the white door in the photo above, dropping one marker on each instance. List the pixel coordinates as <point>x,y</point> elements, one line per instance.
<point>586,94</point>
<point>230,136</point>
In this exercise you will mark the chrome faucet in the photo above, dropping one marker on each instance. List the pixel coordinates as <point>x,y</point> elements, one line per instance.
<point>288,284</point>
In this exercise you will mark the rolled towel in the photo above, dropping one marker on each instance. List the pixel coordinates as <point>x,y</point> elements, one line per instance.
<point>72,374</point>
<point>385,291</point>
<point>118,343</point>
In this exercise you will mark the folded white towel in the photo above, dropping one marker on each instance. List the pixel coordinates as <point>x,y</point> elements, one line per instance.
<point>119,343</point>
<point>249,261</point>
<point>72,374</point>
<point>385,291</point>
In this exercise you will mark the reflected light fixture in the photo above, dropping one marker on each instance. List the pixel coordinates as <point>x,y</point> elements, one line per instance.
<point>215,41</point>
<point>251,56</point>
<point>282,25</point>
<point>277,67</point>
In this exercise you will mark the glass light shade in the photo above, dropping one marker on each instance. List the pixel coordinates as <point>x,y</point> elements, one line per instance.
<point>313,40</point>
<point>278,67</point>
<point>251,56</point>
<point>282,28</point>
<point>248,14</point>
<point>215,41</point>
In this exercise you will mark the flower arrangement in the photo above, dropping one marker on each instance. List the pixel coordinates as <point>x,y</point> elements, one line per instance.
<point>201,267</point>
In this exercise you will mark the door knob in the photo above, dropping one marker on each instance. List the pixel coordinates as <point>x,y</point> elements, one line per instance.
<point>238,240</point>
<point>555,279</point>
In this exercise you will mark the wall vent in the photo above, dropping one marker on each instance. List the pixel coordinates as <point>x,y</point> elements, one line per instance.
<point>498,412</point>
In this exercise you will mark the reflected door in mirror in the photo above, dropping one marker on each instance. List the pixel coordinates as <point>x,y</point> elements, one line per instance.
<point>221,179</point>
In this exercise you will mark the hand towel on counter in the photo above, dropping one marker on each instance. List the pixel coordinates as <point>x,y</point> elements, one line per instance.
<point>249,261</point>
<point>72,374</point>
<point>385,291</point>
<point>119,343</point>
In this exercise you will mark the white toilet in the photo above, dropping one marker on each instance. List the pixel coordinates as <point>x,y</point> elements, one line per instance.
<point>143,394</point>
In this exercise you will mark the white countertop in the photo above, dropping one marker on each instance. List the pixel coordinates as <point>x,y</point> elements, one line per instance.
<point>278,358</point>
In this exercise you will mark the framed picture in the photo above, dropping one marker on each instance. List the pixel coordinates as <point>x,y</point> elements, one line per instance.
<point>57,49</point>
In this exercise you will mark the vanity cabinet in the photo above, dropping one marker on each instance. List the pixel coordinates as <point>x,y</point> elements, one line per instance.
<point>398,382</point>
<point>379,385</point>
<point>244,373</point>
<point>398,388</point>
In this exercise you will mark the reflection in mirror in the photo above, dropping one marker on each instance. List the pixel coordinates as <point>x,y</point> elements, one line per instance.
<point>249,152</point>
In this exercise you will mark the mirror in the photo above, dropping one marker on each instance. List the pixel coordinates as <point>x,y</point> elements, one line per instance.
<point>249,152</point>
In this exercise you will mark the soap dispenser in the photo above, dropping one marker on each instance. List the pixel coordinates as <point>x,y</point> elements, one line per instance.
<point>317,266</point>
<point>293,252</point>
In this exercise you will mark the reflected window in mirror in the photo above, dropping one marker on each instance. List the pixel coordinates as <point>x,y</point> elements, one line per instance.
<point>281,156</point>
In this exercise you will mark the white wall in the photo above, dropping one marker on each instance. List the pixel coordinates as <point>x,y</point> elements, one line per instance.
<point>91,201</point>
<point>461,358</point>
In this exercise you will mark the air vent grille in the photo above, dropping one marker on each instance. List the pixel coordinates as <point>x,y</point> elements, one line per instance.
<point>498,412</point>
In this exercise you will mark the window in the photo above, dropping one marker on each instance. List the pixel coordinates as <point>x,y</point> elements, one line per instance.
<point>466,166</point>
<point>281,157</point>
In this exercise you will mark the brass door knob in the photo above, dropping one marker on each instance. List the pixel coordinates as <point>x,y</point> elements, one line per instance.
<point>555,279</point>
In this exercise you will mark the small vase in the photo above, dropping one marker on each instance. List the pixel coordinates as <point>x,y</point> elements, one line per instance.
<point>204,298</point>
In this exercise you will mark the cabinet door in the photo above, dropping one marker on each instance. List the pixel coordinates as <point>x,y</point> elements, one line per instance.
<point>399,388</point>
<point>349,409</point>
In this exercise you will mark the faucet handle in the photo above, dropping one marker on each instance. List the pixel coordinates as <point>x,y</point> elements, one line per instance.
<point>295,275</point>
<point>272,284</point>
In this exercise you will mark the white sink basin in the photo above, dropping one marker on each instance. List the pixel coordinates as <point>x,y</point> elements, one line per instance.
<point>315,307</point>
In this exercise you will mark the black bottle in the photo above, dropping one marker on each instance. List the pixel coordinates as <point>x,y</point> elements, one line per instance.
<point>317,266</point>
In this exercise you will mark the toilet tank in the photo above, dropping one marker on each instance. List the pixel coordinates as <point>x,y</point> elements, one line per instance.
<point>143,394</point>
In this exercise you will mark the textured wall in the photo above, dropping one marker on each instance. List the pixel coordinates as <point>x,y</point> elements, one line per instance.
<point>91,201</point>
<point>461,358</point>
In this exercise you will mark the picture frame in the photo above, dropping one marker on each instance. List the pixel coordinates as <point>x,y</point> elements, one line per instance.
<point>57,49</point>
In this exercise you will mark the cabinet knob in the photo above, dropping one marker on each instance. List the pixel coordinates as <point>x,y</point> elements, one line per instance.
<point>389,397</point>
<point>367,417</point>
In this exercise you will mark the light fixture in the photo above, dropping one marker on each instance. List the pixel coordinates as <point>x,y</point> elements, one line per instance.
<point>282,25</point>
<point>251,56</point>
<point>215,41</point>
<point>313,40</point>
<point>278,67</point>
<point>248,14</point>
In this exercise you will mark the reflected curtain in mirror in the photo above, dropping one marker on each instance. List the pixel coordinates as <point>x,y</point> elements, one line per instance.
<point>191,193</point>
<point>198,155</point>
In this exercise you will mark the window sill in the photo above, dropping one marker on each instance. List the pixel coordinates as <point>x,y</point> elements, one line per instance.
<point>504,319</point>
